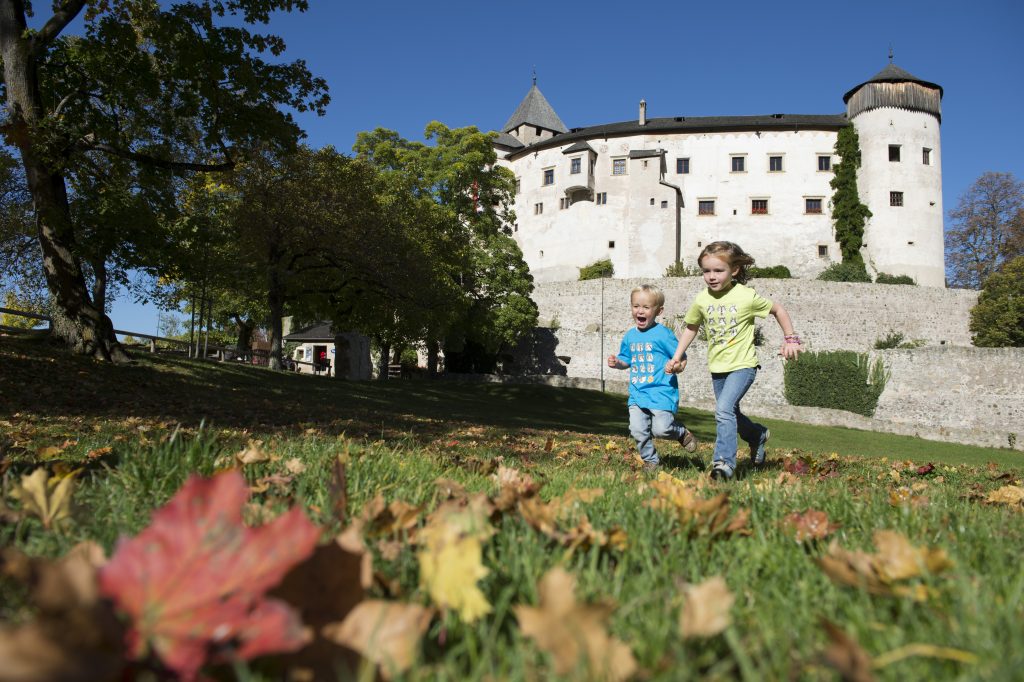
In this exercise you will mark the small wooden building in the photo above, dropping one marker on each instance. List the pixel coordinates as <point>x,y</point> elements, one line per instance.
<point>323,351</point>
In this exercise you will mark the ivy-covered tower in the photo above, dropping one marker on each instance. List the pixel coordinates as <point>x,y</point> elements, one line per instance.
<point>897,117</point>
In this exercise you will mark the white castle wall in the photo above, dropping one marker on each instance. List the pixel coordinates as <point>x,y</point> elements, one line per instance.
<point>945,390</point>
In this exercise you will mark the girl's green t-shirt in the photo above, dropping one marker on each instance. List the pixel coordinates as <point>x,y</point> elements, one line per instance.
<point>728,319</point>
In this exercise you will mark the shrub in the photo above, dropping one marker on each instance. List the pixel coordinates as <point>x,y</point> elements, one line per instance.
<point>998,317</point>
<point>772,272</point>
<point>884,278</point>
<point>597,270</point>
<point>891,340</point>
<point>840,380</point>
<point>680,269</point>
<point>845,272</point>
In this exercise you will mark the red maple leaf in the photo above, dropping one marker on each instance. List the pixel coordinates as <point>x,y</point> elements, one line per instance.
<point>193,582</point>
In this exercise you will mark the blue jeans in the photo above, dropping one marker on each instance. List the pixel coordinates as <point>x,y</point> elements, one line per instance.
<point>646,424</point>
<point>730,387</point>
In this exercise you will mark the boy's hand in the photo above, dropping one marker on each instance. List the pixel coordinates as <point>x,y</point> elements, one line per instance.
<point>675,366</point>
<point>613,362</point>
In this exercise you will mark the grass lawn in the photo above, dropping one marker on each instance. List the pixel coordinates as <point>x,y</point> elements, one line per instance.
<point>944,600</point>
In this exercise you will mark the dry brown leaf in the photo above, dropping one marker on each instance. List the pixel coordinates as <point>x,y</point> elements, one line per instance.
<point>45,497</point>
<point>386,633</point>
<point>294,466</point>
<point>706,610</point>
<point>252,454</point>
<point>1010,495</point>
<point>574,634</point>
<point>846,656</point>
<point>812,524</point>
<point>703,517</point>
<point>885,572</point>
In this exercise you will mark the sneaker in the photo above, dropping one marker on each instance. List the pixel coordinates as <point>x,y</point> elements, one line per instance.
<point>757,452</point>
<point>688,442</point>
<point>721,472</point>
<point>651,467</point>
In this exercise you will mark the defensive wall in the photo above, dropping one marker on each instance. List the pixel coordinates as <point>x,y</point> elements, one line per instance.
<point>945,389</point>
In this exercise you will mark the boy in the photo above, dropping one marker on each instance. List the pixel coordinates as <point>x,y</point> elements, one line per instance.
<point>653,394</point>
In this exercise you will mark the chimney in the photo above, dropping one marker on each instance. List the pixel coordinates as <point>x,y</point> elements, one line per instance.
<point>643,112</point>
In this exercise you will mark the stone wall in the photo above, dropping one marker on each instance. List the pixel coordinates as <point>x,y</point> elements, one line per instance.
<point>944,390</point>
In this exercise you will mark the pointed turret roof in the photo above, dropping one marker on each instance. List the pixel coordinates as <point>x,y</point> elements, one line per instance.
<point>893,74</point>
<point>534,110</point>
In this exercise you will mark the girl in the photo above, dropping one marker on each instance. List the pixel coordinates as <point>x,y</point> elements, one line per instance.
<point>727,310</point>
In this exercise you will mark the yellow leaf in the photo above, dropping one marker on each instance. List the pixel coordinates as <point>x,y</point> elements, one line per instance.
<point>294,466</point>
<point>706,611</point>
<point>451,559</point>
<point>387,633</point>
<point>1010,495</point>
<point>50,500</point>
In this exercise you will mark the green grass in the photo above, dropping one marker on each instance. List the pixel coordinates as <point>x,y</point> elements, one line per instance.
<point>165,418</point>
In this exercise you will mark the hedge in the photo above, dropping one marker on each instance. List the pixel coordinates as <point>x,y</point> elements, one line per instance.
<point>840,380</point>
<point>845,272</point>
<point>772,272</point>
<point>597,270</point>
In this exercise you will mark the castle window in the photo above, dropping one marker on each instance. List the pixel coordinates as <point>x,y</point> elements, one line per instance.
<point>759,206</point>
<point>563,203</point>
<point>822,251</point>
<point>602,198</point>
<point>611,245</point>
<point>706,207</point>
<point>549,176</point>
<point>538,209</point>
<point>895,198</point>
<point>926,156</point>
<point>618,166</point>
<point>824,162</point>
<point>652,201</point>
<point>519,185</point>
<point>774,164</point>
<point>682,166</point>
<point>812,206</point>
<point>894,152</point>
<point>574,165</point>
<point>739,164</point>
<point>664,204</point>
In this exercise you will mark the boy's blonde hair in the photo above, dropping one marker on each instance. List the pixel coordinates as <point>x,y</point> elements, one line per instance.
<point>732,254</point>
<point>651,290</point>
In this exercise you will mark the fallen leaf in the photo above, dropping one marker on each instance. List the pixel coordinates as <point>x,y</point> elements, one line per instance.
<point>49,499</point>
<point>574,633</point>
<point>812,524</point>
<point>706,610</point>
<point>846,656</point>
<point>252,454</point>
<point>451,558</point>
<point>1010,495</point>
<point>386,633</point>
<point>193,582</point>
<point>294,466</point>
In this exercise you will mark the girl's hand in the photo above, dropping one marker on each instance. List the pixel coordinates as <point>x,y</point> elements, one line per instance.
<point>675,366</point>
<point>613,362</point>
<point>790,351</point>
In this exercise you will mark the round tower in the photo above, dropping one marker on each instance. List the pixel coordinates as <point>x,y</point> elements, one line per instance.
<point>897,117</point>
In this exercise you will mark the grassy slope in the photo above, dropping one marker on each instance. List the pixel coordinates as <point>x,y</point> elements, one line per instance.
<point>404,435</point>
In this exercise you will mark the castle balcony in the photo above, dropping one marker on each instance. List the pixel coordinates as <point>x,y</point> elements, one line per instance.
<point>579,182</point>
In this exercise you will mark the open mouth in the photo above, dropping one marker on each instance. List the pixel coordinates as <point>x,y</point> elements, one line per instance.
<point>641,320</point>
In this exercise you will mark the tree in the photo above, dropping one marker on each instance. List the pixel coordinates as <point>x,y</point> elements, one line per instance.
<point>987,230</point>
<point>848,213</point>
<point>183,89</point>
<point>998,317</point>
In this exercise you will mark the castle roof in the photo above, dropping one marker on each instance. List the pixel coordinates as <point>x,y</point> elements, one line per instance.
<point>892,74</point>
<point>506,140</point>
<point>534,110</point>
<point>694,124</point>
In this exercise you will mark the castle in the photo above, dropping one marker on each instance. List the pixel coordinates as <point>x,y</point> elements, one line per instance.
<point>650,192</point>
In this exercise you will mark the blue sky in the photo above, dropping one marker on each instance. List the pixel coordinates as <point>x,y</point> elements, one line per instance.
<point>400,65</point>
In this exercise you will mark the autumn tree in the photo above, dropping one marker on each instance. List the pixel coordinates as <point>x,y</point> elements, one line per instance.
<point>987,229</point>
<point>184,88</point>
<point>849,214</point>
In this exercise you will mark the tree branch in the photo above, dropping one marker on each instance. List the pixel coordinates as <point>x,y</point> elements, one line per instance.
<point>62,16</point>
<point>156,161</point>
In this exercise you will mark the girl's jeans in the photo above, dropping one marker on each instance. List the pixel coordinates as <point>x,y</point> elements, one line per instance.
<point>646,424</point>
<point>730,387</point>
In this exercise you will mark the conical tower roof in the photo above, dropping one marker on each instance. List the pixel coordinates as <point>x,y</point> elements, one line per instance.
<point>534,110</point>
<point>892,74</point>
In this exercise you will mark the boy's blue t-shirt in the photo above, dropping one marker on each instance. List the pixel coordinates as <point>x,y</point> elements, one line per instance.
<point>646,353</point>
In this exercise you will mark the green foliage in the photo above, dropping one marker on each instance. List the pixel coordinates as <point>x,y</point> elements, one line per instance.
<point>848,213</point>
<point>895,339</point>
<point>847,271</point>
<point>770,272</point>
<point>597,270</point>
<point>884,278</point>
<point>840,380</point>
<point>680,269</point>
<point>998,317</point>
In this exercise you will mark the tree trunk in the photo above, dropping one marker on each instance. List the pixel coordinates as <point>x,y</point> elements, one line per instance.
<point>77,321</point>
<point>342,357</point>
<point>275,302</point>
<point>243,341</point>
<point>433,351</point>
<point>385,357</point>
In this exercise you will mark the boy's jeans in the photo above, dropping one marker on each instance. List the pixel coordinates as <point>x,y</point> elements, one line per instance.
<point>646,424</point>
<point>730,387</point>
